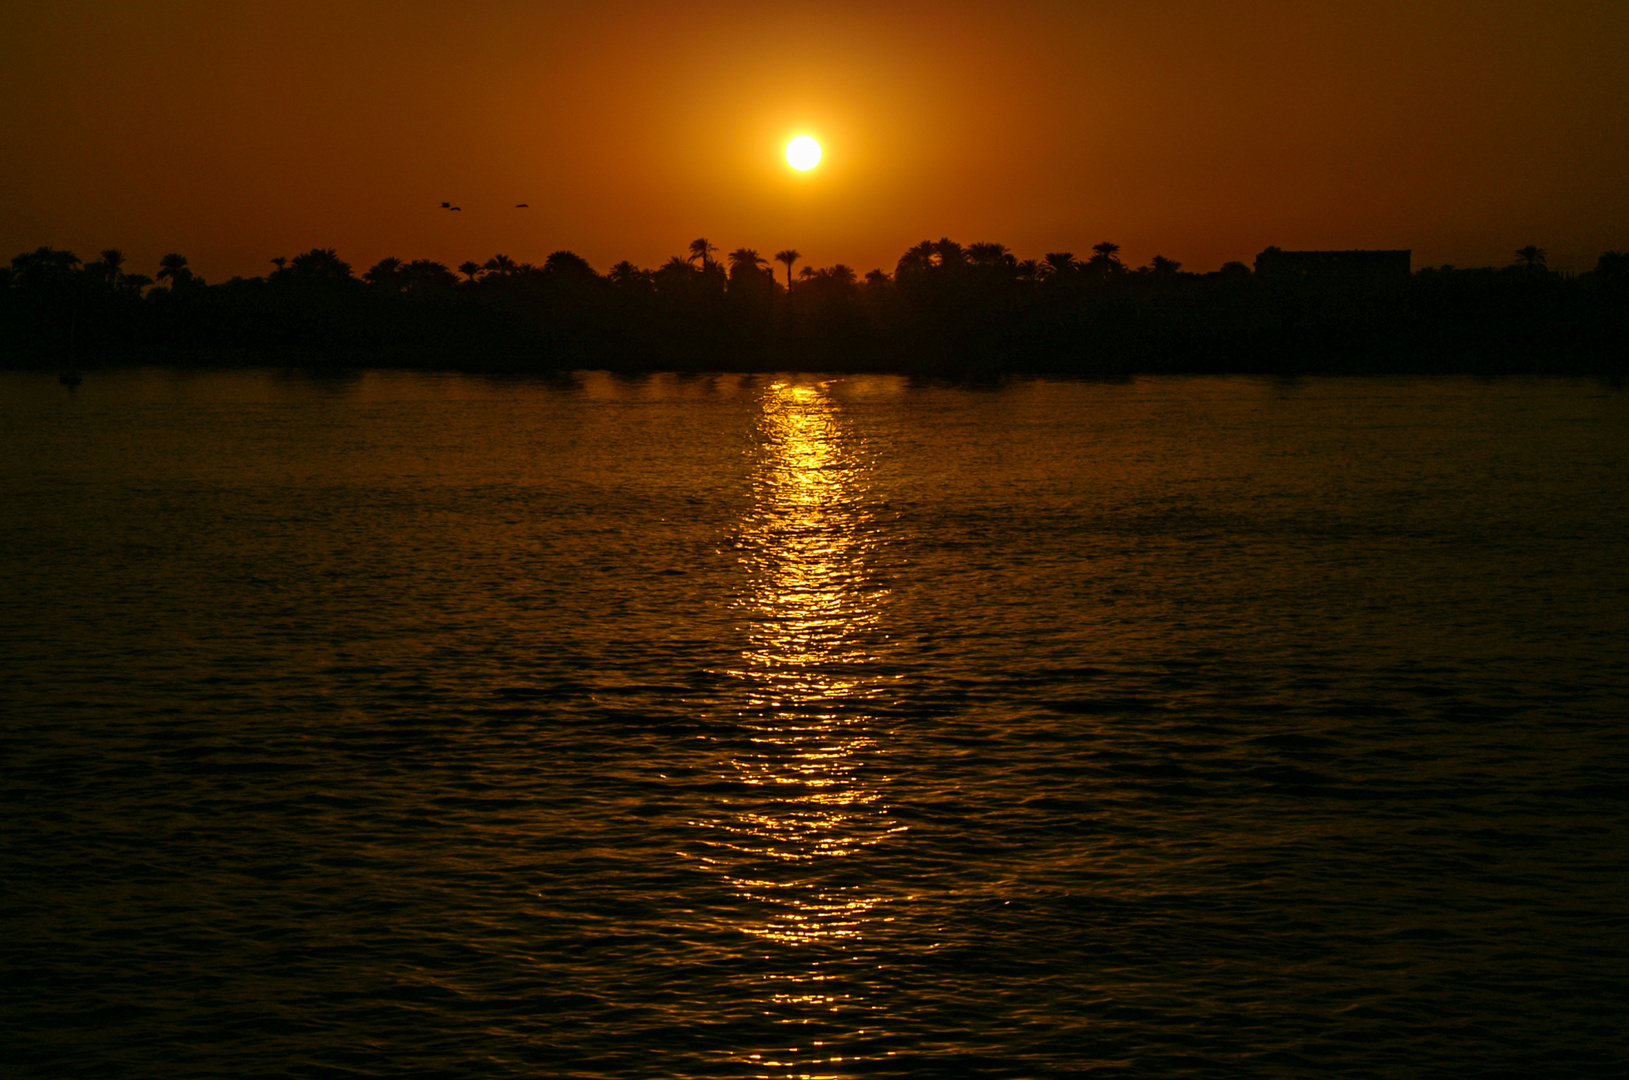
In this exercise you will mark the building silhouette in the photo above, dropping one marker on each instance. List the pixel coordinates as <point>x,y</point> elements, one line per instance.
<point>1342,267</point>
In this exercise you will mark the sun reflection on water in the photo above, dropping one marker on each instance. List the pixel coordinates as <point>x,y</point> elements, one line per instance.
<point>811,768</point>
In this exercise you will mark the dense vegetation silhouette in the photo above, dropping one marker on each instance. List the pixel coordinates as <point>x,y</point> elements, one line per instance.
<point>945,309</point>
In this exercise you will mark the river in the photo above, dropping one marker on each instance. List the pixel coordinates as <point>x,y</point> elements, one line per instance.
<point>413,725</point>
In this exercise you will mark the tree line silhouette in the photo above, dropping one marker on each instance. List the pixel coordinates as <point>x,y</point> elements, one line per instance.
<point>945,309</point>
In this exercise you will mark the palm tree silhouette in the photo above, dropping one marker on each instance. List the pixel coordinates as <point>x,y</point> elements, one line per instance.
<point>949,253</point>
<point>469,269</point>
<point>426,274</point>
<point>1531,257</point>
<point>788,256</point>
<point>320,264</point>
<point>568,262</point>
<point>112,259</point>
<point>749,274</point>
<point>919,257</point>
<point>280,262</point>
<point>173,268</point>
<point>626,273</point>
<point>500,264</point>
<point>1057,264</point>
<point>699,249</point>
<point>743,259</point>
<point>990,255</point>
<point>1106,258</point>
<point>386,273</point>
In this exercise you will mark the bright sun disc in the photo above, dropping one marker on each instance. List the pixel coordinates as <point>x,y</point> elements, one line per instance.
<point>803,153</point>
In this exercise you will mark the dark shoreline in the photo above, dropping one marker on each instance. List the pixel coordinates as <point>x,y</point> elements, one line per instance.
<point>1613,367</point>
<point>942,313</point>
<point>337,369</point>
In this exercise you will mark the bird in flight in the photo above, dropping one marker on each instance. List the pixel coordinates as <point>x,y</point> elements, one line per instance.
<point>455,208</point>
<point>522,206</point>
<point>446,206</point>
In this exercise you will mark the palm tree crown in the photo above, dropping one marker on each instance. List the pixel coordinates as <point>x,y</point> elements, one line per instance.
<point>990,255</point>
<point>949,253</point>
<point>568,262</point>
<point>743,259</point>
<point>788,256</point>
<point>1106,258</point>
<point>626,273</point>
<point>173,268</point>
<point>112,259</point>
<point>700,249</point>
<point>1531,257</point>
<point>918,257</point>
<point>320,264</point>
<point>1058,264</point>
<point>386,273</point>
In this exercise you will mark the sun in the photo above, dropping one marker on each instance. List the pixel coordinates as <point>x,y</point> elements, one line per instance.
<point>803,153</point>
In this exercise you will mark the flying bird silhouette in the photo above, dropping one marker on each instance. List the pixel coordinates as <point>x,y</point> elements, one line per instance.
<point>446,206</point>
<point>521,206</point>
<point>455,207</point>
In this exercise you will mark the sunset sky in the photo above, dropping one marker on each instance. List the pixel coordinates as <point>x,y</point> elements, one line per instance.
<point>1202,131</point>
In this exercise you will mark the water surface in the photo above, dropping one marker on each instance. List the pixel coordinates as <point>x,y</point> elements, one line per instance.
<point>413,726</point>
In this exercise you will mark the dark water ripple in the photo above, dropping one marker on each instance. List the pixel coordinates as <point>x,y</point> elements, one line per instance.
<point>423,727</point>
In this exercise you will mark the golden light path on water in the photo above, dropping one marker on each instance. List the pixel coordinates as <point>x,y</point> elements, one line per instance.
<point>815,769</point>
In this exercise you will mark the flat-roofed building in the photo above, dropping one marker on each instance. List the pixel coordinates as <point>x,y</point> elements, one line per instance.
<point>1369,267</point>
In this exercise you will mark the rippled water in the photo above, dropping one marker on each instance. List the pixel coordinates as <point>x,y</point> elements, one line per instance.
<point>415,726</point>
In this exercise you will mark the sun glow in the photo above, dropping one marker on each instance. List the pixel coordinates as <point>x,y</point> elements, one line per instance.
<point>803,153</point>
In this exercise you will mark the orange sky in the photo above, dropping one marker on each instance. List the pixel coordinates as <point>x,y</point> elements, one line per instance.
<point>1201,130</point>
